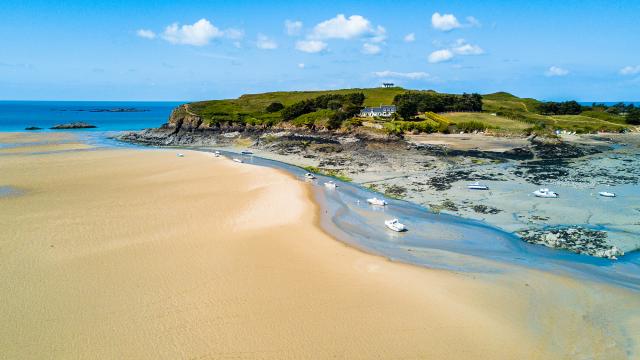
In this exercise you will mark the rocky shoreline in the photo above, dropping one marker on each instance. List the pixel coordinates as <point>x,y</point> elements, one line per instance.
<point>435,175</point>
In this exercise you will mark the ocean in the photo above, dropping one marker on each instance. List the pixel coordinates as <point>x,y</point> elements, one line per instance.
<point>106,115</point>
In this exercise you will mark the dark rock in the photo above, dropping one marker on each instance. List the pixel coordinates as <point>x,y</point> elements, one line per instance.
<point>74,125</point>
<point>33,128</point>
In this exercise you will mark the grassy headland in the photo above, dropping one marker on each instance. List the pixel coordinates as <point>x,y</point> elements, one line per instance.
<point>418,112</point>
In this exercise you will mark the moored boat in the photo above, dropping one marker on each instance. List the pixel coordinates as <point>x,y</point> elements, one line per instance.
<point>395,225</point>
<point>237,160</point>
<point>607,194</point>
<point>246,152</point>
<point>477,186</point>
<point>545,193</point>
<point>377,202</point>
<point>330,185</point>
<point>309,176</point>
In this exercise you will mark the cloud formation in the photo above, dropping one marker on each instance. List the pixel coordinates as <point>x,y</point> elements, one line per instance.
<point>311,46</point>
<point>292,28</point>
<point>353,27</point>
<point>461,47</point>
<point>147,34</point>
<point>403,75</point>
<point>630,70</point>
<point>446,22</point>
<point>556,71</point>
<point>440,56</point>
<point>370,49</point>
<point>411,37</point>
<point>197,34</point>
<point>266,43</point>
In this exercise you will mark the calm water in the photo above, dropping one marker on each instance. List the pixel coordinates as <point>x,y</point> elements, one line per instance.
<point>16,115</point>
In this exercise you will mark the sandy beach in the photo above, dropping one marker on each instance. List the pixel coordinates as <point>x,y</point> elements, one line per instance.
<point>123,253</point>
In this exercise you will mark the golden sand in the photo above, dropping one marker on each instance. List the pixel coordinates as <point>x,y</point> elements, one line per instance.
<point>141,254</point>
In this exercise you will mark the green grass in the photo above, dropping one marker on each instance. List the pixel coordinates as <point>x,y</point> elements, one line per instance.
<point>328,172</point>
<point>497,122</point>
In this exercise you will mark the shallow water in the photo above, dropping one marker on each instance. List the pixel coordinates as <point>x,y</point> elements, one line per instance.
<point>444,241</point>
<point>6,191</point>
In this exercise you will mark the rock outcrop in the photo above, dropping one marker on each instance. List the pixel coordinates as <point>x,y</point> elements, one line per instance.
<point>73,125</point>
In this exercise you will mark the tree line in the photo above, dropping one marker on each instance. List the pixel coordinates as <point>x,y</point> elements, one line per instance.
<point>410,104</point>
<point>560,108</point>
<point>345,106</point>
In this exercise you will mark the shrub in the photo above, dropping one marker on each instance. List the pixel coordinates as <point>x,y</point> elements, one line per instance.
<point>274,107</point>
<point>471,126</point>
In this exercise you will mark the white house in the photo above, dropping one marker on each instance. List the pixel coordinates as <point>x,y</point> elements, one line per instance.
<point>381,111</point>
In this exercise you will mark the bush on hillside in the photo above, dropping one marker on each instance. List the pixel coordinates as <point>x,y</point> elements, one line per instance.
<point>274,107</point>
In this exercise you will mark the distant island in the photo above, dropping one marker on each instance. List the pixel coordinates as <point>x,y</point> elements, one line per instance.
<point>114,110</point>
<point>73,125</point>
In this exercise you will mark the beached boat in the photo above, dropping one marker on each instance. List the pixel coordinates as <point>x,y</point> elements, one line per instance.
<point>309,176</point>
<point>606,194</point>
<point>180,155</point>
<point>377,202</point>
<point>545,193</point>
<point>237,160</point>
<point>395,225</point>
<point>330,185</point>
<point>477,186</point>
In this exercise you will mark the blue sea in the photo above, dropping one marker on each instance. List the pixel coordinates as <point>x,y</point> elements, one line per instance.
<point>106,115</point>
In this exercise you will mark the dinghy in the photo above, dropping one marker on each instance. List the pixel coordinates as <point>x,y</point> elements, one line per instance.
<point>309,176</point>
<point>180,155</point>
<point>395,225</point>
<point>606,194</point>
<point>237,160</point>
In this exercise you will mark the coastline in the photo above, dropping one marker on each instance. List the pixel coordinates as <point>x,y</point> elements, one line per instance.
<point>191,297</point>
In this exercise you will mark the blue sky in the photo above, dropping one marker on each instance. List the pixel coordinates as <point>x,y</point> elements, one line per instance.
<point>193,50</point>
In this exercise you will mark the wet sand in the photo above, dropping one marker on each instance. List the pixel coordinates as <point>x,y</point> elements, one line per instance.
<point>116,253</point>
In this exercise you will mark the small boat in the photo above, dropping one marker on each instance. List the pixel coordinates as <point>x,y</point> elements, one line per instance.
<point>216,153</point>
<point>246,152</point>
<point>477,186</point>
<point>180,155</point>
<point>309,176</point>
<point>395,225</point>
<point>237,160</point>
<point>330,185</point>
<point>377,202</point>
<point>545,193</point>
<point>606,194</point>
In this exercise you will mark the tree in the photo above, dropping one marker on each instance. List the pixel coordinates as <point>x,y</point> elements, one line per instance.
<point>407,108</point>
<point>633,116</point>
<point>274,107</point>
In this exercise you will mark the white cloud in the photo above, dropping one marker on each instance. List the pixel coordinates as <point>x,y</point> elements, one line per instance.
<point>353,27</point>
<point>147,34</point>
<point>198,34</point>
<point>461,47</point>
<point>370,49</point>
<point>311,46</point>
<point>556,71</point>
<point>411,37</point>
<point>630,70</point>
<point>440,56</point>
<point>407,75</point>
<point>234,34</point>
<point>266,43</point>
<point>446,22</point>
<point>301,65</point>
<point>293,27</point>
<point>473,22</point>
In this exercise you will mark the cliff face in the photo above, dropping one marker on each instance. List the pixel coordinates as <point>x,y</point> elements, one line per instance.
<point>183,119</point>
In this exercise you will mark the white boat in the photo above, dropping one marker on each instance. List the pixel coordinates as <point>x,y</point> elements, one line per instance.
<point>376,201</point>
<point>330,185</point>
<point>545,193</point>
<point>237,160</point>
<point>309,176</point>
<point>395,225</point>
<point>216,153</point>
<point>180,155</point>
<point>606,194</point>
<point>477,186</point>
